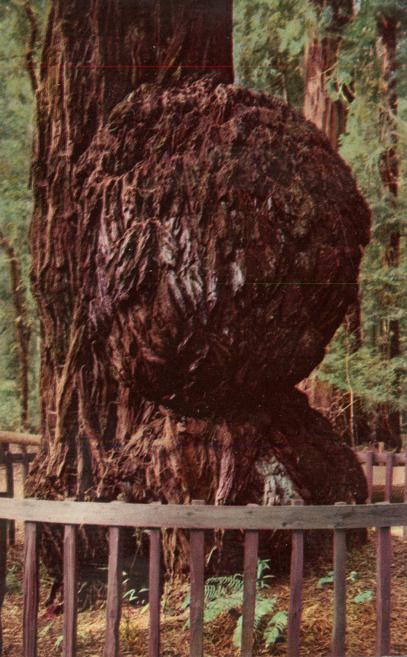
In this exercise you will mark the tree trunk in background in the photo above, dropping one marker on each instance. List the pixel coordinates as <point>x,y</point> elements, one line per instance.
<point>168,225</point>
<point>343,410</point>
<point>22,326</point>
<point>320,60</point>
<point>388,419</point>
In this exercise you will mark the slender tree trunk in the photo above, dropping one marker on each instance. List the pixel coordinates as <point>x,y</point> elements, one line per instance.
<point>165,237</point>
<point>388,427</point>
<point>22,326</point>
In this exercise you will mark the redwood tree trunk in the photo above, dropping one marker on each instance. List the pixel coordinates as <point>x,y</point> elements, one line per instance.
<point>170,230</point>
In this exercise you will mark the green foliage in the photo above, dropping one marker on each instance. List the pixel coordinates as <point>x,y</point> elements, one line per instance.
<point>364,596</point>
<point>222,594</point>
<point>370,373</point>
<point>16,134</point>
<point>270,37</point>
<point>327,579</point>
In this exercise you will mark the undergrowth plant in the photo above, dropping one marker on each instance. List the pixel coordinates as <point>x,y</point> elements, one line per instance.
<point>222,594</point>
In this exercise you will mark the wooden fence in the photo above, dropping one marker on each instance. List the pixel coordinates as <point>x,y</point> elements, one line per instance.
<point>8,459</point>
<point>390,460</point>
<point>197,518</point>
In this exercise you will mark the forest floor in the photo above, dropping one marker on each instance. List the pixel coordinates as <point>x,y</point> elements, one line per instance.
<point>316,616</point>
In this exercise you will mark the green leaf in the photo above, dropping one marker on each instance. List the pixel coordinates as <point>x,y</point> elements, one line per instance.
<point>364,596</point>
<point>327,579</point>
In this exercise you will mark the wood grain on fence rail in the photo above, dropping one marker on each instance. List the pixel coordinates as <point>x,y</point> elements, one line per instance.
<point>197,588</point>
<point>114,594</point>
<point>3,571</point>
<point>251,546</point>
<point>339,625</point>
<point>154,593</point>
<point>17,438</point>
<point>70,591</point>
<point>30,589</point>
<point>124,514</point>
<point>296,584</point>
<point>383,592</point>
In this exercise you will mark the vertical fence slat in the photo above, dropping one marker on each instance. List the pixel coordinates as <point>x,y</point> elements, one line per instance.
<point>70,591</point>
<point>3,571</point>
<point>296,583</point>
<point>251,547</point>
<point>197,570</point>
<point>339,625</point>
<point>388,484</point>
<point>30,589</point>
<point>154,594</point>
<point>369,474</point>
<point>383,592</point>
<point>114,593</point>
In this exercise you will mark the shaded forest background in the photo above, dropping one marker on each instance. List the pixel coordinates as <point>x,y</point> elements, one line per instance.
<point>359,385</point>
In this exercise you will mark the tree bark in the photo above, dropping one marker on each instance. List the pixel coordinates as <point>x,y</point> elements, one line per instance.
<point>192,255</point>
<point>22,325</point>
<point>320,60</point>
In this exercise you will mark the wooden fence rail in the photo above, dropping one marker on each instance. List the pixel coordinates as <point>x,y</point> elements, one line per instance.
<point>198,517</point>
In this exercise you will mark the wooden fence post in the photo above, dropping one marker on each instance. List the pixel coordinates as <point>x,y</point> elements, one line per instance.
<point>339,626</point>
<point>30,589</point>
<point>70,591</point>
<point>251,546</point>
<point>114,594</point>
<point>3,572</point>
<point>383,593</point>
<point>197,569</point>
<point>154,596</point>
<point>296,583</point>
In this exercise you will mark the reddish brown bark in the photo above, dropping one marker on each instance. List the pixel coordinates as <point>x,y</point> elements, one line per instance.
<point>193,245</point>
<point>320,60</point>
<point>22,325</point>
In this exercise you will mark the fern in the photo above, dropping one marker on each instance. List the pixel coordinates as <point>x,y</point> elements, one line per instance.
<point>221,605</point>
<point>216,587</point>
<point>264,607</point>
<point>275,628</point>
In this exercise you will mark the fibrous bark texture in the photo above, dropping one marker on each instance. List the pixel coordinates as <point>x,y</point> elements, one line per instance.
<point>226,251</point>
<point>195,246</point>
